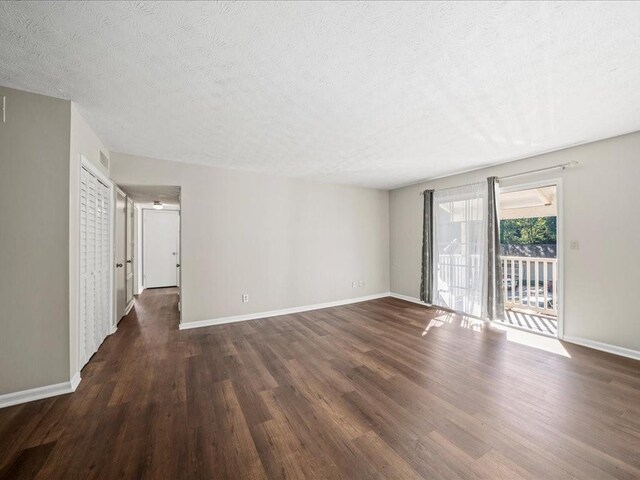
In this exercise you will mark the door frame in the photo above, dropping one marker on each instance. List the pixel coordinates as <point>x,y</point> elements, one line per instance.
<point>91,168</point>
<point>556,182</point>
<point>129,252</point>
<point>127,306</point>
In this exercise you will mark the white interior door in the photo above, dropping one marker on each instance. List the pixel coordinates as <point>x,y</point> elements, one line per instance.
<point>94,320</point>
<point>160,247</point>
<point>121,251</point>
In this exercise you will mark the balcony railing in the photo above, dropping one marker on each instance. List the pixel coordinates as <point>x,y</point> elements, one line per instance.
<point>531,283</point>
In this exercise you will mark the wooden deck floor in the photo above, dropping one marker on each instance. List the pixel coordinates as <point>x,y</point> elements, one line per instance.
<point>532,322</point>
<point>380,389</point>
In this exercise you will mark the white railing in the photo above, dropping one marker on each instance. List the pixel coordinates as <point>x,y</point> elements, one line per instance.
<point>531,283</point>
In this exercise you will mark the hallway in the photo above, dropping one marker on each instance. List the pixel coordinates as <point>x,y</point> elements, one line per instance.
<point>124,407</point>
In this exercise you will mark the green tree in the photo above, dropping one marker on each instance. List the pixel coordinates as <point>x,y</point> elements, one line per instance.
<point>528,231</point>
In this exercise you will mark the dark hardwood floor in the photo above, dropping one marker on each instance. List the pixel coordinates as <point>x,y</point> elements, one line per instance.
<point>363,391</point>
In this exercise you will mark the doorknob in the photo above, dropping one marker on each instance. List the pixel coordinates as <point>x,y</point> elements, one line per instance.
<point>128,261</point>
<point>118,265</point>
<point>177,265</point>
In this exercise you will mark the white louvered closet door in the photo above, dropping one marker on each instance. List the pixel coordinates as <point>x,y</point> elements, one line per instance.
<point>105,298</point>
<point>95,245</point>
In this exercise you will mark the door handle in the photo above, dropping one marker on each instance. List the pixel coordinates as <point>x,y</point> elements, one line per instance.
<point>177,264</point>
<point>128,261</point>
<point>118,265</point>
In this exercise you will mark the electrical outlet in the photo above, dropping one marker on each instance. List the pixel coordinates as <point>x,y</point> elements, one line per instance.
<point>361,283</point>
<point>245,297</point>
<point>354,284</point>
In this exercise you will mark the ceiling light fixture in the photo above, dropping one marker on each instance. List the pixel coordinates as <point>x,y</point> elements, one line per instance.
<point>158,205</point>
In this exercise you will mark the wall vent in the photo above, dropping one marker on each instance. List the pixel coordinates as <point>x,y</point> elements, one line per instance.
<point>104,160</point>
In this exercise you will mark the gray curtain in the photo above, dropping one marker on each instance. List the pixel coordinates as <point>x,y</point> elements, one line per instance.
<point>427,248</point>
<point>495,293</point>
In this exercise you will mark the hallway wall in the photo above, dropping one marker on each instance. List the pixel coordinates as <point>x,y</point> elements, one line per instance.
<point>34,235</point>
<point>286,242</point>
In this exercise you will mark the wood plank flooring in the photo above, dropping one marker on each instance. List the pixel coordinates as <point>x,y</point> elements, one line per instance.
<point>363,391</point>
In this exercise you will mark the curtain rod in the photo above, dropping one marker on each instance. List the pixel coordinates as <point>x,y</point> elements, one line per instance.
<point>562,166</point>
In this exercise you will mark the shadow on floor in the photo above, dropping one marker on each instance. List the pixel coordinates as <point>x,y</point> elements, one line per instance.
<point>534,322</point>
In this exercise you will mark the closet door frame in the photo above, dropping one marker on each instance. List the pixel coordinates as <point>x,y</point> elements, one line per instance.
<point>87,165</point>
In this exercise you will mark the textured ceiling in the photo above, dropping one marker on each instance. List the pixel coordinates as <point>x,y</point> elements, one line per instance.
<point>373,94</point>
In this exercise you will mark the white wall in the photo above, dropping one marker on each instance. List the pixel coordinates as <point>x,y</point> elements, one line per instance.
<point>82,141</point>
<point>286,242</point>
<point>34,241</point>
<point>601,200</point>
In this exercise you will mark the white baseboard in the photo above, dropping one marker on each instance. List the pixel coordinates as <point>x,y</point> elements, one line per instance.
<point>275,313</point>
<point>39,393</point>
<point>129,307</point>
<point>605,347</point>
<point>406,298</point>
<point>75,381</point>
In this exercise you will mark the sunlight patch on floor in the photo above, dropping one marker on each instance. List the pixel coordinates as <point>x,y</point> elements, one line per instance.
<point>548,344</point>
<point>515,335</point>
<point>464,322</point>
